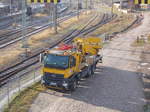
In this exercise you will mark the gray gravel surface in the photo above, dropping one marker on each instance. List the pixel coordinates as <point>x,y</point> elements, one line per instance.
<point>115,87</point>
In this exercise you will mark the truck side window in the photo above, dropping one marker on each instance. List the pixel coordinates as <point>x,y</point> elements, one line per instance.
<point>72,61</point>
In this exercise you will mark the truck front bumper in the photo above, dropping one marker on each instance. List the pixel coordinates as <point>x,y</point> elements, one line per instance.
<point>63,83</point>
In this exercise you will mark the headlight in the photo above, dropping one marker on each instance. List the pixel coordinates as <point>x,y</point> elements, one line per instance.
<point>65,84</point>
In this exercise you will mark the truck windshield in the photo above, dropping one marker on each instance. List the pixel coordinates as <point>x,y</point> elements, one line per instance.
<point>56,61</point>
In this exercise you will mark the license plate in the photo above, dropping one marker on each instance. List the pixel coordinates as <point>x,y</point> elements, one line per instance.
<point>53,84</point>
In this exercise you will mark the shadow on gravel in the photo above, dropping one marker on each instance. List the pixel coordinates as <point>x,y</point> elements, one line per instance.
<point>146,83</point>
<point>111,89</point>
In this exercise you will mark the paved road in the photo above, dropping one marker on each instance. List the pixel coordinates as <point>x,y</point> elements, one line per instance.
<point>116,86</point>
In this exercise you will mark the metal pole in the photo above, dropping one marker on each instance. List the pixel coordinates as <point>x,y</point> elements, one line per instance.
<point>16,11</point>
<point>24,30</point>
<point>55,18</point>
<point>10,7</point>
<point>120,4</point>
<point>19,85</point>
<point>78,9</point>
<point>8,93</point>
<point>112,7</point>
<point>34,74</point>
<point>70,3</point>
<point>91,4</point>
<point>51,12</point>
<point>86,6</point>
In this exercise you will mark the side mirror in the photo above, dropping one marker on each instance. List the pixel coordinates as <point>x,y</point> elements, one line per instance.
<point>41,58</point>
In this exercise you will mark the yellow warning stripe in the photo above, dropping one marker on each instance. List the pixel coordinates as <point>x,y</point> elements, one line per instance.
<point>142,1</point>
<point>136,1</point>
<point>43,1</point>
<point>48,1</point>
<point>55,1</point>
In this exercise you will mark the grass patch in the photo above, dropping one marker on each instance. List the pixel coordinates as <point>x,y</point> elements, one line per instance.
<point>117,25</point>
<point>139,43</point>
<point>23,101</point>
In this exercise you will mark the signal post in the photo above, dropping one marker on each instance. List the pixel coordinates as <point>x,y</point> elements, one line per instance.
<point>54,5</point>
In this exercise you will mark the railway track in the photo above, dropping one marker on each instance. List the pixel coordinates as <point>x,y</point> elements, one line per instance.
<point>137,21</point>
<point>12,37</point>
<point>4,34</point>
<point>8,73</point>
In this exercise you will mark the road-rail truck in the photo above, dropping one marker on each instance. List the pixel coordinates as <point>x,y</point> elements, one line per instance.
<point>66,64</point>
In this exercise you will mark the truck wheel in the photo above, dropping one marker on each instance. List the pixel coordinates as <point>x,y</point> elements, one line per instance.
<point>79,76</point>
<point>93,69</point>
<point>89,71</point>
<point>74,85</point>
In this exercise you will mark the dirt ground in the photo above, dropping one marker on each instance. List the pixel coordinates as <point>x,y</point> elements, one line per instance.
<point>116,86</point>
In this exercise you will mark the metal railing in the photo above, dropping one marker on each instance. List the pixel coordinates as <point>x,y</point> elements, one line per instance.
<point>18,83</point>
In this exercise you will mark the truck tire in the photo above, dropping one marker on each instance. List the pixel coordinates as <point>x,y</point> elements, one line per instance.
<point>79,76</point>
<point>89,71</point>
<point>93,68</point>
<point>74,85</point>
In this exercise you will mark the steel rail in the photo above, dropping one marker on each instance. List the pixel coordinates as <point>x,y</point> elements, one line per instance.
<point>7,40</point>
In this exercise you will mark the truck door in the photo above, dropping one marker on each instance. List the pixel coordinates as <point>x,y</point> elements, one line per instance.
<point>72,64</point>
